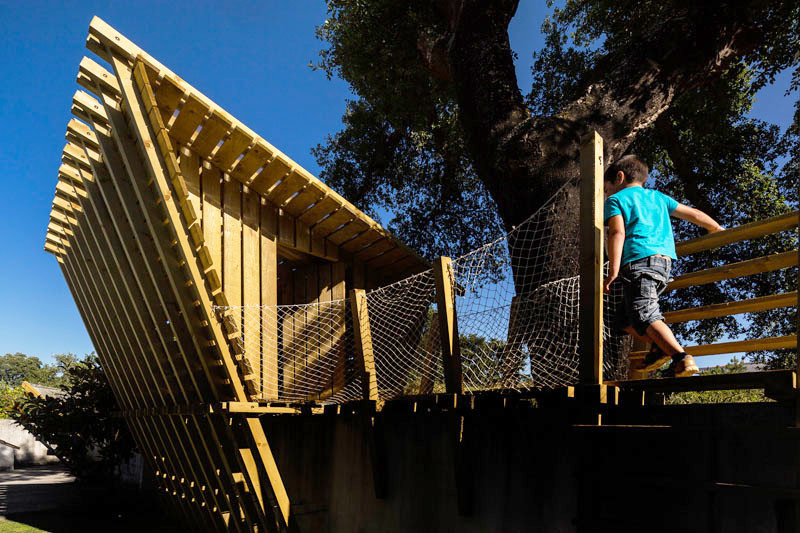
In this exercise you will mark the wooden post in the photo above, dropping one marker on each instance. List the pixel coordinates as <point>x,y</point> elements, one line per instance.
<point>591,260</point>
<point>365,360</point>
<point>448,325</point>
<point>363,341</point>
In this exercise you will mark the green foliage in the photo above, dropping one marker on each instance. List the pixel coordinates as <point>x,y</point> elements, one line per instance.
<point>402,147</point>
<point>80,425</point>
<point>719,396</point>
<point>9,396</point>
<point>17,367</point>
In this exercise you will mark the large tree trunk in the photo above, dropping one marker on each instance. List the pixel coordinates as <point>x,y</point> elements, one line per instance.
<point>522,159</point>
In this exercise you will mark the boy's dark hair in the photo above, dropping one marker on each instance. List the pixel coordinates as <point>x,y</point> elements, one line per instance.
<point>635,169</point>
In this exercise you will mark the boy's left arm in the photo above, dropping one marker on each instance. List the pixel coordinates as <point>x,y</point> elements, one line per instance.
<point>616,239</point>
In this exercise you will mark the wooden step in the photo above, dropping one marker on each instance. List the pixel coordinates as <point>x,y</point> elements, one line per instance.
<point>777,383</point>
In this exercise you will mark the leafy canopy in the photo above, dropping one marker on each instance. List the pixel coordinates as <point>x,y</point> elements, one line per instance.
<point>402,152</point>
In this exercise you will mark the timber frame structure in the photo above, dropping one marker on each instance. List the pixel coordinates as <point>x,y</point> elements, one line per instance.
<point>156,221</point>
<point>168,209</point>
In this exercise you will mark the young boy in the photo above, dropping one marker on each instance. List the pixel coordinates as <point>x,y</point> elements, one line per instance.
<point>640,240</point>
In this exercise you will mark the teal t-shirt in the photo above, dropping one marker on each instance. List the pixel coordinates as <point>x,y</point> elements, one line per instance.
<point>648,229</point>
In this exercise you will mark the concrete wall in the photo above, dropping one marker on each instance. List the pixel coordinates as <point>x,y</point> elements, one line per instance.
<point>6,458</point>
<point>534,473</point>
<point>31,451</point>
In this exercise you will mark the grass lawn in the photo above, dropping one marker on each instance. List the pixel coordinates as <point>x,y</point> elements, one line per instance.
<point>9,526</point>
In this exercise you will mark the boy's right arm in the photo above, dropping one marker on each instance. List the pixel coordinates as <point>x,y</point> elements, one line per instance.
<point>695,216</point>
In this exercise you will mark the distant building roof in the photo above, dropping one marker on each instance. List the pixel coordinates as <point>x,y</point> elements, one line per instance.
<point>41,390</point>
<point>4,443</point>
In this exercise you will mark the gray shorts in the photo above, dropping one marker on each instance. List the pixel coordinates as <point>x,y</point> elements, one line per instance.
<point>643,281</point>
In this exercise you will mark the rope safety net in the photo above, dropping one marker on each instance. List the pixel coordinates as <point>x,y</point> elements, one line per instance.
<point>517,308</point>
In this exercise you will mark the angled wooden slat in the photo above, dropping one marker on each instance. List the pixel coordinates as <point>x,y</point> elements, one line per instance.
<point>231,149</point>
<point>253,160</point>
<point>309,195</point>
<point>736,270</point>
<point>154,168</point>
<point>749,345</point>
<point>166,326</point>
<point>363,240</point>
<point>752,230</point>
<point>111,282</point>
<point>212,132</point>
<point>98,76</point>
<point>286,188</point>
<point>189,117</point>
<point>320,210</point>
<point>275,170</point>
<point>375,249</point>
<point>762,303</point>
<point>350,230</point>
<point>333,222</point>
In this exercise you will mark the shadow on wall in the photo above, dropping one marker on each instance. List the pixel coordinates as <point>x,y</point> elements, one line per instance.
<point>29,451</point>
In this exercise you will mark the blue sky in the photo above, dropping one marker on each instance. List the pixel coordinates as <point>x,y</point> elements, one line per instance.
<point>251,58</point>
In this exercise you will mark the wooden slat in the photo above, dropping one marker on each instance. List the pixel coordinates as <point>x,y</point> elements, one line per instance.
<point>448,325</point>
<point>310,194</point>
<point>375,249</point>
<point>275,170</point>
<point>168,95</point>
<point>749,345</point>
<point>251,282</point>
<point>190,170</point>
<point>363,240</point>
<point>212,132</point>
<point>338,292</point>
<point>253,160</point>
<point>269,298</point>
<point>365,358</point>
<point>736,270</point>
<point>189,118</point>
<point>321,209</point>
<point>232,244</point>
<point>231,149</point>
<point>778,380</point>
<point>752,230</point>
<point>212,211</point>
<point>332,223</point>
<point>762,303</point>
<point>353,228</point>
<point>290,185</point>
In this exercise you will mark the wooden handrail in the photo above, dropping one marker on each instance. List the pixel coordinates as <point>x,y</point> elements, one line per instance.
<point>752,230</point>
<point>749,345</point>
<point>766,263</point>
<point>763,303</point>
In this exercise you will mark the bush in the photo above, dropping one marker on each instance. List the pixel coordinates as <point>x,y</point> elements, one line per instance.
<point>719,396</point>
<point>9,397</point>
<point>80,425</point>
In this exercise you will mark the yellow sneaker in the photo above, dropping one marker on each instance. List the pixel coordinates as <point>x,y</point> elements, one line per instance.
<point>686,367</point>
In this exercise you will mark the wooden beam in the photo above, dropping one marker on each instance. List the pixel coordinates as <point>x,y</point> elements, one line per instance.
<point>31,390</point>
<point>762,303</point>
<point>591,260</point>
<point>777,380</point>
<point>365,359</point>
<point>752,230</point>
<point>749,345</point>
<point>444,278</point>
<point>758,265</point>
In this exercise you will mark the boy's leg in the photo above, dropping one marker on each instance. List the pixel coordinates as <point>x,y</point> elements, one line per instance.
<point>662,335</point>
